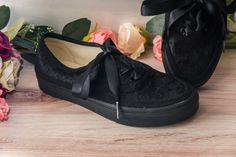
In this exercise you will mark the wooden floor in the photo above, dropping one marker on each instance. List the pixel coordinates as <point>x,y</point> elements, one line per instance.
<point>42,126</point>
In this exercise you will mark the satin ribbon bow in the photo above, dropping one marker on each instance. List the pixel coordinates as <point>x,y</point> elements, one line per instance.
<point>196,23</point>
<point>215,8</point>
<point>82,82</point>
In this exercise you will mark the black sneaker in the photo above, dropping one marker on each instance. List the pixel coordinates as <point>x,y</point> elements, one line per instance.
<point>101,79</point>
<point>193,36</point>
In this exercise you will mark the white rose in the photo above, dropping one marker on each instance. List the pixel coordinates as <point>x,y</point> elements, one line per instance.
<point>9,73</point>
<point>130,41</point>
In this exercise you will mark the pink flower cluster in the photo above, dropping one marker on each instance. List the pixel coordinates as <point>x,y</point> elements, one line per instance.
<point>129,39</point>
<point>4,109</point>
<point>130,42</point>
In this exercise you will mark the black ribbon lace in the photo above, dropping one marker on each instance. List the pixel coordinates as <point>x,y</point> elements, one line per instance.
<point>215,8</point>
<point>130,69</point>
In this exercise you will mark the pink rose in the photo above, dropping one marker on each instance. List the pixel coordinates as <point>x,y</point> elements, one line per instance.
<point>4,109</point>
<point>101,36</point>
<point>5,47</point>
<point>157,47</point>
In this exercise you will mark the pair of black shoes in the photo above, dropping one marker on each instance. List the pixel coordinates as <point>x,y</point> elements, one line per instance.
<point>128,92</point>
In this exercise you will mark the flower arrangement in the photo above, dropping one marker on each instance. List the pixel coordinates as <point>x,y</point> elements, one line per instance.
<point>10,60</point>
<point>129,40</point>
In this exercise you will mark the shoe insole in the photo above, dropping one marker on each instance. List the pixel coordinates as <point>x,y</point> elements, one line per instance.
<point>72,55</point>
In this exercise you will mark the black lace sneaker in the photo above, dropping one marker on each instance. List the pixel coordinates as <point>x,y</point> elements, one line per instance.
<point>193,36</point>
<point>101,79</point>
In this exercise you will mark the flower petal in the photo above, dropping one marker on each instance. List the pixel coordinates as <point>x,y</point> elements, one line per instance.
<point>101,36</point>
<point>130,41</point>
<point>157,47</point>
<point>4,109</point>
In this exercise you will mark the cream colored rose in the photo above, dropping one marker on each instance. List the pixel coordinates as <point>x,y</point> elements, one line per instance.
<point>9,73</point>
<point>130,41</point>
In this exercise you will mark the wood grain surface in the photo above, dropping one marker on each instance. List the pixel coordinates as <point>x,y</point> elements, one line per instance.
<point>42,126</point>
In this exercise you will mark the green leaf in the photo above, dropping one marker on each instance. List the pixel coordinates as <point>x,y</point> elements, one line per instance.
<point>155,25</point>
<point>23,43</point>
<point>230,42</point>
<point>25,29</point>
<point>14,28</point>
<point>77,29</point>
<point>29,57</point>
<point>4,16</point>
<point>86,38</point>
<point>29,36</point>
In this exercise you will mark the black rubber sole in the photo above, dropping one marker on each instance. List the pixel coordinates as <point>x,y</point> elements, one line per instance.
<point>128,116</point>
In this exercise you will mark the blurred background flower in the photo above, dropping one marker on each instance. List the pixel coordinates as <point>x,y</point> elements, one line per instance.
<point>9,73</point>
<point>157,47</point>
<point>4,109</point>
<point>130,40</point>
<point>101,36</point>
<point>5,47</point>
<point>10,66</point>
<point>10,59</point>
